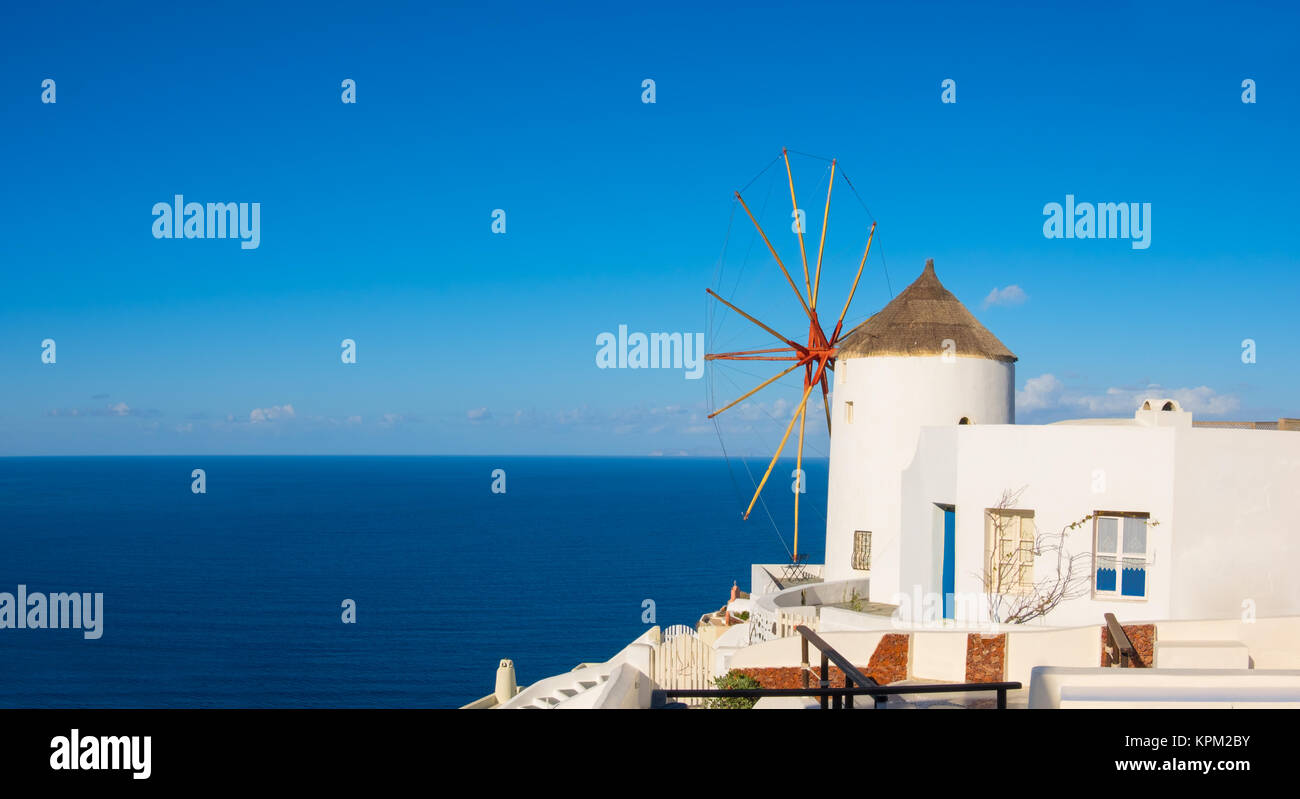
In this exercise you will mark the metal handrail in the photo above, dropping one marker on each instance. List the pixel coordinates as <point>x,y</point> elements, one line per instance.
<point>1119,649</point>
<point>852,676</point>
<point>855,683</point>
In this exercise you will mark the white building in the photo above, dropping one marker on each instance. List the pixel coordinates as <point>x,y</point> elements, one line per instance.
<point>942,508</point>
<point>1173,519</point>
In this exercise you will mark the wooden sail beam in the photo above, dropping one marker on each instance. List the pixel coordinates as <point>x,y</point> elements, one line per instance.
<point>839,324</point>
<point>821,370</point>
<point>798,475</point>
<point>798,226</point>
<point>752,358</point>
<point>758,388</point>
<point>821,248</point>
<point>826,402</point>
<point>784,438</point>
<point>749,352</point>
<point>772,249</point>
<point>754,355</point>
<point>799,347</point>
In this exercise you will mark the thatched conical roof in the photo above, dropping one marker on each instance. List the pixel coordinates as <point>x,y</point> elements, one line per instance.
<point>918,321</point>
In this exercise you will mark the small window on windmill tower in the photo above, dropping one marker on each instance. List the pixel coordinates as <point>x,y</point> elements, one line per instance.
<point>862,550</point>
<point>848,413</point>
<point>964,420</point>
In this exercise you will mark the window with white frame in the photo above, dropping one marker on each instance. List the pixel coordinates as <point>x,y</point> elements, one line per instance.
<point>848,412</point>
<point>1120,555</point>
<point>862,550</point>
<point>1009,550</point>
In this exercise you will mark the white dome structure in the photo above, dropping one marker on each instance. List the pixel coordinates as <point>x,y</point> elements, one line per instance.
<point>923,360</point>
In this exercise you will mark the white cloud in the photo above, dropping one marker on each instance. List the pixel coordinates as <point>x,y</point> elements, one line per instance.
<point>1011,295</point>
<point>1040,392</point>
<point>273,413</point>
<point>120,409</point>
<point>1047,393</point>
<point>756,421</point>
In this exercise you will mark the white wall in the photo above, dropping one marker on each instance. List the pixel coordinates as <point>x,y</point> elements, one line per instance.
<point>1026,649</point>
<point>893,398</point>
<point>1238,504</point>
<point>1273,643</point>
<point>1227,503</point>
<point>938,656</point>
<point>1067,472</point>
<point>932,479</point>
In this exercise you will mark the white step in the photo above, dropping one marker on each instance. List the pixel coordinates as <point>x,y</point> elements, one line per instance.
<point>1092,697</point>
<point>1071,686</point>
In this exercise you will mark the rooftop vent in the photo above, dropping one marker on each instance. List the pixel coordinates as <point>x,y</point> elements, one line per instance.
<point>1163,412</point>
<point>1161,405</point>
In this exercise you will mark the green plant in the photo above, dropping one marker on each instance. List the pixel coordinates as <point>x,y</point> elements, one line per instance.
<point>734,680</point>
<point>855,601</point>
<point>744,615</point>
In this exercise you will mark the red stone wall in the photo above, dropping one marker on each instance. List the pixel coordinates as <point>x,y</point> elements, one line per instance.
<point>986,657</point>
<point>889,661</point>
<point>1143,637</point>
<point>888,664</point>
<point>789,676</point>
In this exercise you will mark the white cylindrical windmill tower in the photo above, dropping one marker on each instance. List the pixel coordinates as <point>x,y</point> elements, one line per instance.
<point>923,360</point>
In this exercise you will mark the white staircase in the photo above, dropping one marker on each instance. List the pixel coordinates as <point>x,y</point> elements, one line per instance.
<point>561,693</point>
<point>589,685</point>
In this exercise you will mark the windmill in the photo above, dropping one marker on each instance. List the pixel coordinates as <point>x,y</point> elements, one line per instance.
<point>815,356</point>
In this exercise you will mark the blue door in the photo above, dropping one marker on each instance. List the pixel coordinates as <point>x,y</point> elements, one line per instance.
<point>949,558</point>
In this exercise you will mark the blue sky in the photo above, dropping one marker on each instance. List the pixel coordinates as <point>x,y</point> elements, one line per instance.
<point>376,216</point>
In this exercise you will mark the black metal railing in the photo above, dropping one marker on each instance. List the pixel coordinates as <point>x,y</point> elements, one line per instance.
<point>852,677</point>
<point>1119,649</point>
<point>835,697</point>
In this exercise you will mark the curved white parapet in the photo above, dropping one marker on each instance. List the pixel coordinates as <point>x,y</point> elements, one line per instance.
<point>776,615</point>
<point>764,577</point>
<point>1063,687</point>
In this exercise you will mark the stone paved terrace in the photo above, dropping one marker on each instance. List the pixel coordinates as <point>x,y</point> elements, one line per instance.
<point>870,608</point>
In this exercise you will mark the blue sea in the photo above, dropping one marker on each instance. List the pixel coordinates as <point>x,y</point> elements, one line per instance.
<point>233,598</point>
